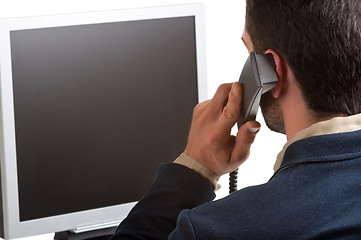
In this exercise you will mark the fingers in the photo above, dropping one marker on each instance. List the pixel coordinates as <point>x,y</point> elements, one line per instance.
<point>210,141</point>
<point>219,99</point>
<point>245,137</point>
<point>230,112</point>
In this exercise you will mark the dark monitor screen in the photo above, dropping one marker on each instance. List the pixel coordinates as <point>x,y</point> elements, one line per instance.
<point>97,108</point>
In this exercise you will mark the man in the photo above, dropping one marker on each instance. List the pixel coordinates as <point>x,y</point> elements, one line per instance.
<point>315,192</point>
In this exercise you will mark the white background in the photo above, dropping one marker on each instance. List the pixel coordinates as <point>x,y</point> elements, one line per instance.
<point>226,55</point>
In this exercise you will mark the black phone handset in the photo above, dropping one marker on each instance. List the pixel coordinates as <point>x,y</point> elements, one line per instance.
<point>258,76</point>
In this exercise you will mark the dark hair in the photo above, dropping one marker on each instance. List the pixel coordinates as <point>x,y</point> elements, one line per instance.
<point>321,41</point>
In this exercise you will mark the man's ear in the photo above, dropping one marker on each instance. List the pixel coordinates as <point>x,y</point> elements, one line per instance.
<point>280,69</point>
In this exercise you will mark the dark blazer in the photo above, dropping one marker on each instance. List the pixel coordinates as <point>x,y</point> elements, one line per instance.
<point>316,194</point>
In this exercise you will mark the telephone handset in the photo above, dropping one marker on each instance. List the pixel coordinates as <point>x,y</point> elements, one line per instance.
<point>258,76</point>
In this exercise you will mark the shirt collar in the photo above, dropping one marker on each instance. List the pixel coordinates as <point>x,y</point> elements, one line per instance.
<point>334,125</point>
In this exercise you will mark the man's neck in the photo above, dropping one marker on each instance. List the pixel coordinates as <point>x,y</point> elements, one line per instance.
<point>300,120</point>
<point>296,114</point>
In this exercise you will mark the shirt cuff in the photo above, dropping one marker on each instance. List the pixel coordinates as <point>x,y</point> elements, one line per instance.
<point>185,160</point>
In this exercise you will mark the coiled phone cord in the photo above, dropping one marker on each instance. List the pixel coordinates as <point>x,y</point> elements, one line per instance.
<point>233,176</point>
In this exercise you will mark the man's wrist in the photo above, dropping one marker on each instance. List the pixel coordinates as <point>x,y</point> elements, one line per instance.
<point>185,160</point>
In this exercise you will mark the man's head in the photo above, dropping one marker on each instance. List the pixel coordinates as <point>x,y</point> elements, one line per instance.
<point>321,42</point>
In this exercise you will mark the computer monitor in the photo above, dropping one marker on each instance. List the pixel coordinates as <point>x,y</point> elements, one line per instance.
<point>91,105</point>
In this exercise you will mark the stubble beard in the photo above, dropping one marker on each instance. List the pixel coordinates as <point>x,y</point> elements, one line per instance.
<point>272,113</point>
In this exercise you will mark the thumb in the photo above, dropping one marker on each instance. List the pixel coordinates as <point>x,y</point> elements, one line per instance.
<point>245,138</point>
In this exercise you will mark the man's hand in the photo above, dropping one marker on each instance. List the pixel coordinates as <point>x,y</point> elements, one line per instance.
<point>210,141</point>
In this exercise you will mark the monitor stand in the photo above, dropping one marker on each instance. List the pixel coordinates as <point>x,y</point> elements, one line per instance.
<point>102,234</point>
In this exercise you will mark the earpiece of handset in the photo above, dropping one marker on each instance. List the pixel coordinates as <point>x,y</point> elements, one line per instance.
<point>258,76</point>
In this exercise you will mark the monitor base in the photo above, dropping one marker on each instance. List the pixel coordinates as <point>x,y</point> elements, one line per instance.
<point>102,234</point>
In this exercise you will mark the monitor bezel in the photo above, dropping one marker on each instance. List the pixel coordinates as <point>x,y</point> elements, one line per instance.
<point>13,227</point>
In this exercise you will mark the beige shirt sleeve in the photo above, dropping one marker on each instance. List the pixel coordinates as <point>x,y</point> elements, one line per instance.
<point>185,160</point>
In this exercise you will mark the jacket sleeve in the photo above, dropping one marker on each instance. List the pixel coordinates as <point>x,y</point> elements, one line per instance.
<point>175,188</point>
